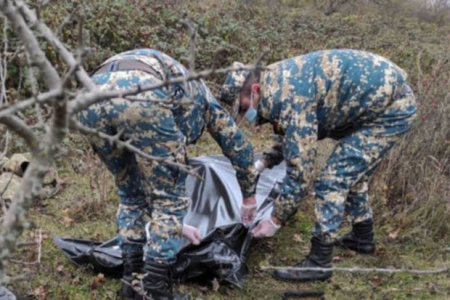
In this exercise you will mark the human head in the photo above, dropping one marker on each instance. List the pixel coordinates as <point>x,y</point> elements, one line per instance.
<point>241,90</point>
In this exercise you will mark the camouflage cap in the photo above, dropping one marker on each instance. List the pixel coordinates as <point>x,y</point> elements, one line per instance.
<point>229,93</point>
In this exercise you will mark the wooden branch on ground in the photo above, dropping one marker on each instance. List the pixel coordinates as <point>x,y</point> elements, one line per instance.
<point>360,270</point>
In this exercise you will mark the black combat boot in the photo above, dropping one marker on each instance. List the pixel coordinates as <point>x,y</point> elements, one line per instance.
<point>157,282</point>
<point>361,239</point>
<point>320,256</point>
<point>132,263</point>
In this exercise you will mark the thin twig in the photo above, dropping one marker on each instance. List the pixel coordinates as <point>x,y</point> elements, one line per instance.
<point>84,100</point>
<point>10,109</point>
<point>192,34</point>
<point>37,56</point>
<point>34,88</point>
<point>4,208</point>
<point>143,99</point>
<point>6,138</point>
<point>68,57</point>
<point>360,270</point>
<point>3,64</point>
<point>137,290</point>
<point>115,140</point>
<point>73,69</point>
<point>38,260</point>
<point>19,127</point>
<point>66,21</point>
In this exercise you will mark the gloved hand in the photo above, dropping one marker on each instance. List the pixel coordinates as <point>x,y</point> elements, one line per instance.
<point>192,234</point>
<point>265,228</point>
<point>260,165</point>
<point>248,211</point>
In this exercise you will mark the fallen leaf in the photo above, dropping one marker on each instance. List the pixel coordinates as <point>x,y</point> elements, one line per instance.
<point>215,285</point>
<point>394,235</point>
<point>97,281</point>
<point>297,238</point>
<point>349,253</point>
<point>40,293</point>
<point>60,268</point>
<point>101,277</point>
<point>67,220</point>
<point>76,280</point>
<point>256,272</point>
<point>377,281</point>
<point>337,258</point>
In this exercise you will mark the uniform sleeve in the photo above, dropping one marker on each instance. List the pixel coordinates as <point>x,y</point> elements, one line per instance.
<point>234,144</point>
<point>274,156</point>
<point>299,150</point>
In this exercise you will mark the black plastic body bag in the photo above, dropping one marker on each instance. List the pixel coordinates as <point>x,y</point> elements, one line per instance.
<point>215,207</point>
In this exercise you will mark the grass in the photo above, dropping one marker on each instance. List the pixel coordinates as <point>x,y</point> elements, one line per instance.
<point>80,211</point>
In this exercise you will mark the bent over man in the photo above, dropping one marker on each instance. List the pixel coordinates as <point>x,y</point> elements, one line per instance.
<point>359,98</point>
<point>161,123</point>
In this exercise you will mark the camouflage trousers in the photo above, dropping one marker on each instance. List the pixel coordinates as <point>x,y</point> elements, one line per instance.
<point>152,193</point>
<point>343,184</point>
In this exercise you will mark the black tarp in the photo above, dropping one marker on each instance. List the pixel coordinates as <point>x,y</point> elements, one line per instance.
<point>214,211</point>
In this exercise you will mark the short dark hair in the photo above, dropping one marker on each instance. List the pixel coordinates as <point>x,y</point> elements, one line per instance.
<point>252,78</point>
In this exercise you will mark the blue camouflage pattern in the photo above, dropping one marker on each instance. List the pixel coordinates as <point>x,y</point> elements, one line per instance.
<point>359,98</point>
<point>150,192</point>
<point>161,122</point>
<point>196,109</point>
<point>231,88</point>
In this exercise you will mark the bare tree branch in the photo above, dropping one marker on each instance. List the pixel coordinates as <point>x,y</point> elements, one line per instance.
<point>4,208</point>
<point>19,127</point>
<point>84,100</point>
<point>34,88</point>
<point>65,22</point>
<point>68,57</point>
<point>38,259</point>
<point>10,109</point>
<point>6,138</point>
<point>31,43</point>
<point>3,63</point>
<point>192,33</point>
<point>15,220</point>
<point>115,140</point>
<point>360,270</point>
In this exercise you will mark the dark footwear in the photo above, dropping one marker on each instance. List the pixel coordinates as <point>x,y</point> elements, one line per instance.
<point>132,264</point>
<point>157,282</point>
<point>360,240</point>
<point>320,256</point>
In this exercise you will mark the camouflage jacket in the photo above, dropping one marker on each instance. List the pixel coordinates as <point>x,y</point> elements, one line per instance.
<point>196,109</point>
<point>318,95</point>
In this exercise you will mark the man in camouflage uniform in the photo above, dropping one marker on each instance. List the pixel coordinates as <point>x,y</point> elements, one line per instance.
<point>362,100</point>
<point>161,123</point>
